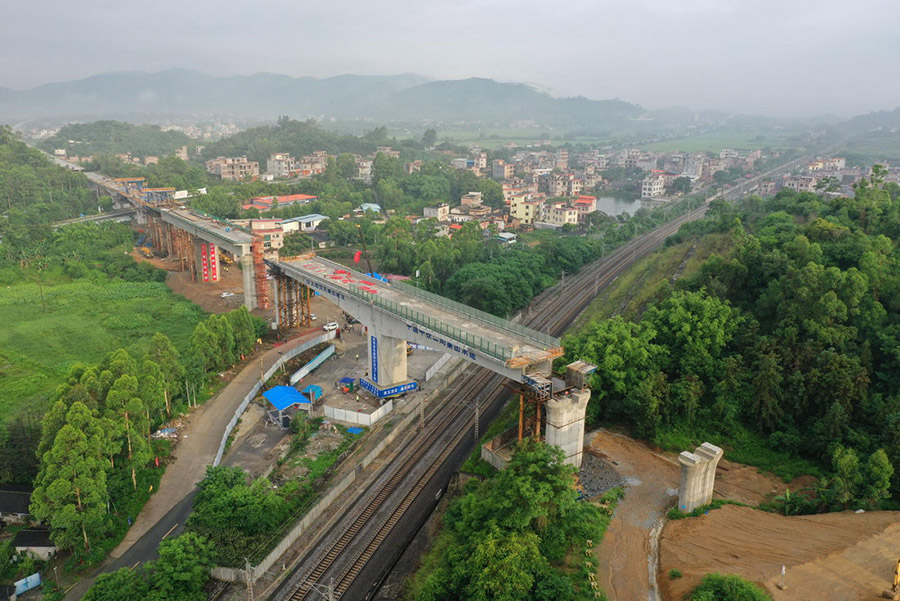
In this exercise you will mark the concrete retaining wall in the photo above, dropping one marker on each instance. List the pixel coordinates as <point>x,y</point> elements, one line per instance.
<point>434,369</point>
<point>335,492</point>
<point>316,362</point>
<point>358,417</point>
<point>325,337</point>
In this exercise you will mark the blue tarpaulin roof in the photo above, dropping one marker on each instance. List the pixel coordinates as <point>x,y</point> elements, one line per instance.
<point>347,380</point>
<point>312,388</point>
<point>355,430</point>
<point>283,397</point>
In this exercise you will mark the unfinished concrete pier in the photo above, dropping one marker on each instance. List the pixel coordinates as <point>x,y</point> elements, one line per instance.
<point>698,476</point>
<point>565,423</point>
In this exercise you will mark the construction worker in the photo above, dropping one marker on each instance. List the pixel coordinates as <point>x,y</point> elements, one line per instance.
<point>357,356</point>
<point>357,398</point>
<point>896,586</point>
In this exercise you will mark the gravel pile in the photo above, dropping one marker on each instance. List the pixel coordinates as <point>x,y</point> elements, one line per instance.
<point>597,475</point>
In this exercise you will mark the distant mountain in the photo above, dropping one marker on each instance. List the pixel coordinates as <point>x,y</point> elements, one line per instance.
<point>182,92</point>
<point>880,120</point>
<point>406,97</point>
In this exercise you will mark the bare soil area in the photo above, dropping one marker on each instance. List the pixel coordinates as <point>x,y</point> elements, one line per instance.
<point>628,552</point>
<point>829,557</point>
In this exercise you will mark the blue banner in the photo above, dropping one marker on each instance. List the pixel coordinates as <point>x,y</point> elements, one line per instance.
<point>392,391</point>
<point>373,350</point>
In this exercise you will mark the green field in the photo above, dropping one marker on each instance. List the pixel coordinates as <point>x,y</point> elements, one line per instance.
<point>492,138</point>
<point>83,322</point>
<point>716,141</point>
<point>872,148</point>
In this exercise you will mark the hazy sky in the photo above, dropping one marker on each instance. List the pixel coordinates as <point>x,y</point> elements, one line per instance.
<point>763,56</point>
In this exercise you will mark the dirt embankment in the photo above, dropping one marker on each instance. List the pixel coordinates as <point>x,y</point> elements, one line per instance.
<point>829,557</point>
<point>627,554</point>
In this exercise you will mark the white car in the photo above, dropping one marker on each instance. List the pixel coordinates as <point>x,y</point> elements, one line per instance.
<point>313,317</point>
<point>226,294</point>
<point>330,326</point>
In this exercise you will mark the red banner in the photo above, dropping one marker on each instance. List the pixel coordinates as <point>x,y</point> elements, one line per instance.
<point>204,262</point>
<point>214,276</point>
<point>357,256</point>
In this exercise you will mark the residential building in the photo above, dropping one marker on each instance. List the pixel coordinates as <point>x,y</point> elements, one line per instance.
<point>271,232</point>
<point>653,186</point>
<point>560,213</point>
<point>388,151</point>
<point>282,165</point>
<point>472,199</point>
<point>525,211</point>
<point>364,170</point>
<point>506,237</point>
<point>232,168</point>
<point>368,207</point>
<point>585,205</point>
<point>440,212</point>
<point>182,153</point>
<point>267,203</point>
<point>462,163</point>
<point>799,183</point>
<point>518,188</point>
<point>501,170</point>
<point>306,223</point>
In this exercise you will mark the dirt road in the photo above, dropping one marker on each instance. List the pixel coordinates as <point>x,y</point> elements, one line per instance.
<point>627,554</point>
<point>829,557</point>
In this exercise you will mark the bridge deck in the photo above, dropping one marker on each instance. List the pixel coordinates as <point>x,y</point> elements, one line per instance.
<point>509,342</point>
<point>222,229</point>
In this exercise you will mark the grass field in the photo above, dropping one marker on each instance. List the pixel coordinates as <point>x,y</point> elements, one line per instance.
<point>873,148</point>
<point>492,138</point>
<point>82,323</point>
<point>631,292</point>
<point>716,141</point>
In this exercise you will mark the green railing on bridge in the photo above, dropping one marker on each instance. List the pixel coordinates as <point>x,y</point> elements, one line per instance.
<point>472,341</point>
<point>544,340</point>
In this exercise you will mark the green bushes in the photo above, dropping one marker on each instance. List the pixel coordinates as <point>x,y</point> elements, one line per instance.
<point>719,587</point>
<point>521,532</point>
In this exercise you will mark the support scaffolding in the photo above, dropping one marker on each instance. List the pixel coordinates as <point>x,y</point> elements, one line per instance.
<point>259,272</point>
<point>292,303</point>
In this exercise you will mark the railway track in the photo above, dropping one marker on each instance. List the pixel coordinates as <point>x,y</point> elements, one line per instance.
<point>449,422</point>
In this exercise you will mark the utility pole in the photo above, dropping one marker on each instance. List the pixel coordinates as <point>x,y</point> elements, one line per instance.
<point>326,592</point>
<point>249,571</point>
<point>365,252</point>
<point>421,414</point>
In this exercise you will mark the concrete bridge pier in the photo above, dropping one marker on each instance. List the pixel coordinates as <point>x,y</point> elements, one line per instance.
<point>249,281</point>
<point>565,423</point>
<point>206,258</point>
<point>387,360</point>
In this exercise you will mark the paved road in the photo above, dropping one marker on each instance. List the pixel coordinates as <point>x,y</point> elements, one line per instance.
<point>167,510</point>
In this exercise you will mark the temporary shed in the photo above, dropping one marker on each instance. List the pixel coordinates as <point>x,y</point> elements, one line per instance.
<point>312,393</point>
<point>282,398</point>
<point>347,384</point>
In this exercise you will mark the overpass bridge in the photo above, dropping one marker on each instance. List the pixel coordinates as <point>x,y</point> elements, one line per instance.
<point>195,239</point>
<point>395,313</point>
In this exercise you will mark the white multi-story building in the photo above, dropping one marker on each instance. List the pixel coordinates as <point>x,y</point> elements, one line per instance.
<point>653,186</point>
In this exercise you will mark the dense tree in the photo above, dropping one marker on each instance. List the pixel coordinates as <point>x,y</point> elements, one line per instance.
<point>70,492</point>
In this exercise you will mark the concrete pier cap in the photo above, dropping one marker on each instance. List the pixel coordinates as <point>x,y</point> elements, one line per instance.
<point>698,476</point>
